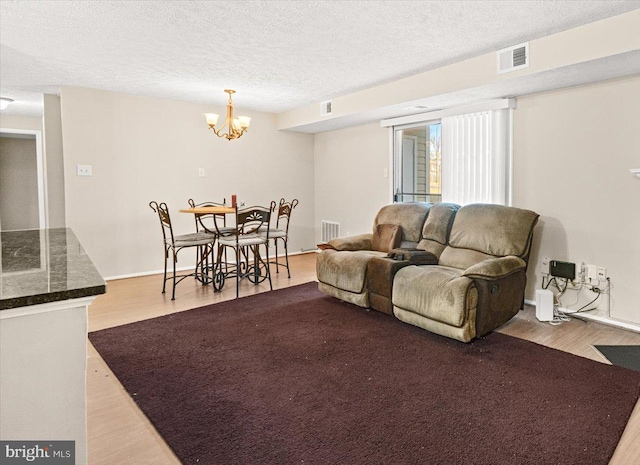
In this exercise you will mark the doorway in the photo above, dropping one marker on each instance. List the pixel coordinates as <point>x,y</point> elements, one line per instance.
<point>22,189</point>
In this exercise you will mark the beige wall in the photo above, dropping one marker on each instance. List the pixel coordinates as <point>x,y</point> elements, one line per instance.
<point>144,149</point>
<point>573,149</point>
<point>54,161</point>
<point>349,177</point>
<point>20,122</point>
<point>572,152</point>
<point>18,184</point>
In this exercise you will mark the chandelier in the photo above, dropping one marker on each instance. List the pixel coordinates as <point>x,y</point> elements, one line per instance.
<point>236,127</point>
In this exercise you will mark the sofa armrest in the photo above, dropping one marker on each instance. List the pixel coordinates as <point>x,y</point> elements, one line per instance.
<point>359,242</point>
<point>495,268</point>
<point>414,256</point>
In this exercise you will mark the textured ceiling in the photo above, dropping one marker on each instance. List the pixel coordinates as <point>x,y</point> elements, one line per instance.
<point>278,55</point>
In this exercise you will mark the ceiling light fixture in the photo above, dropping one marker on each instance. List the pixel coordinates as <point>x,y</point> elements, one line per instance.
<point>4,102</point>
<point>416,107</point>
<point>236,126</point>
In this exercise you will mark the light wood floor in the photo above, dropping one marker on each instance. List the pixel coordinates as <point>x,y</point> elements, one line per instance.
<point>118,432</point>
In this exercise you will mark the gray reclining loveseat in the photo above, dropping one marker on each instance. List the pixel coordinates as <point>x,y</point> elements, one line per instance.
<point>458,272</point>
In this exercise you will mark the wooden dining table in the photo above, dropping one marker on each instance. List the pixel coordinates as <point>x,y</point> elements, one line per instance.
<point>217,210</point>
<point>210,210</point>
<point>220,268</point>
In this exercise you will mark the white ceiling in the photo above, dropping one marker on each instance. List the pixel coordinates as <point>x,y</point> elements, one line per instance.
<point>278,55</point>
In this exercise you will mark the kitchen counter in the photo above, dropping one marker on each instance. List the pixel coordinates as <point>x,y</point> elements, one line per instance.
<point>47,282</point>
<point>45,265</point>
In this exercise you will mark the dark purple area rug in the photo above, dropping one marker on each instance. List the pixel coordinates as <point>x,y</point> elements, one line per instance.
<point>296,377</point>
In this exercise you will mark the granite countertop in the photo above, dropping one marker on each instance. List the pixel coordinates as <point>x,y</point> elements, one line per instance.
<point>45,265</point>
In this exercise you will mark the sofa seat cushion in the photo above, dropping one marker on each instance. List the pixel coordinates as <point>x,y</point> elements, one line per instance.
<point>438,293</point>
<point>345,270</point>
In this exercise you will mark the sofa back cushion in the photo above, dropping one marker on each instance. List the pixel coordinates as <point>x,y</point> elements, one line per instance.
<point>435,231</point>
<point>409,216</point>
<point>483,231</point>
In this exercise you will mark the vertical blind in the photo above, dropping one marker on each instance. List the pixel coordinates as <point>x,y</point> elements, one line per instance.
<point>476,158</point>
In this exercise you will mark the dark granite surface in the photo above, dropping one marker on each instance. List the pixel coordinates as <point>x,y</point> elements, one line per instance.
<point>45,265</point>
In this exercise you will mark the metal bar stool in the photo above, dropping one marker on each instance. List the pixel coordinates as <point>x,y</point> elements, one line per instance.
<point>245,242</point>
<point>281,231</point>
<point>212,223</point>
<point>174,244</point>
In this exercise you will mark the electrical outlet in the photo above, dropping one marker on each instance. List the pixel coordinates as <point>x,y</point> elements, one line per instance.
<point>83,170</point>
<point>544,266</point>
<point>602,273</point>
<point>592,273</point>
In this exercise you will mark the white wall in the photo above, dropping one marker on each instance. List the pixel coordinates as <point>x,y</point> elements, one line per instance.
<point>350,186</point>
<point>43,366</point>
<point>573,149</point>
<point>144,149</point>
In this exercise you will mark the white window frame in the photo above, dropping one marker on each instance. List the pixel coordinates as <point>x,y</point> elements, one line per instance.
<point>421,119</point>
<point>392,163</point>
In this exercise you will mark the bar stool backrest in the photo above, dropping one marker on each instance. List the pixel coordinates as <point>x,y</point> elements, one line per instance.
<point>284,214</point>
<point>208,222</point>
<point>165,219</point>
<point>250,220</point>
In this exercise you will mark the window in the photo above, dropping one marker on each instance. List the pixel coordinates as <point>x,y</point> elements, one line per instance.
<point>418,163</point>
<point>460,155</point>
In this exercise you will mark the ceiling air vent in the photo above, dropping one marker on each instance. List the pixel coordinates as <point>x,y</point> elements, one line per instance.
<point>513,58</point>
<point>325,108</point>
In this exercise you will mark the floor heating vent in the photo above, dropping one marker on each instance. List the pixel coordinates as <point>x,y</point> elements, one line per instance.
<point>330,230</point>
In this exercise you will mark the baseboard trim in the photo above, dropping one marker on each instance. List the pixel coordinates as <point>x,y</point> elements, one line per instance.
<point>184,268</point>
<point>596,318</point>
<point>141,274</point>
